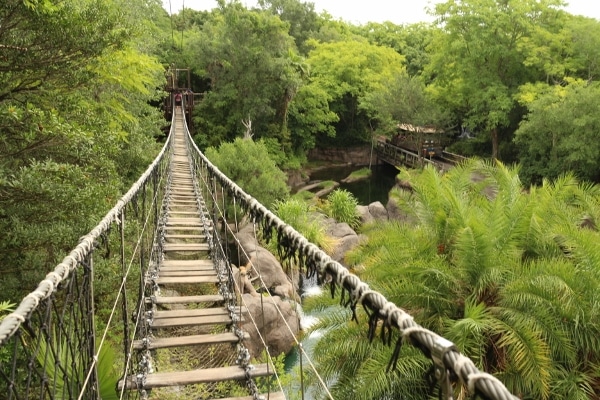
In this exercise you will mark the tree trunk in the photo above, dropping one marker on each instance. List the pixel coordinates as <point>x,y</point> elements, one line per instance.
<point>494,143</point>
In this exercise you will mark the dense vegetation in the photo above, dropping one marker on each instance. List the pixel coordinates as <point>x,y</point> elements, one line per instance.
<point>510,276</point>
<point>80,89</point>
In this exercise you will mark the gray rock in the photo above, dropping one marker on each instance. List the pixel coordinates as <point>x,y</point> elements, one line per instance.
<point>378,211</point>
<point>278,336</point>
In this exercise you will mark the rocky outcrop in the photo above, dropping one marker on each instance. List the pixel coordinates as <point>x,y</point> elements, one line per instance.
<point>346,238</point>
<point>279,335</point>
<point>270,324</point>
<point>353,155</point>
<point>260,261</point>
<point>373,212</point>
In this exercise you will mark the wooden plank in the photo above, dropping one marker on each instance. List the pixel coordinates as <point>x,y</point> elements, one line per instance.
<point>164,379</point>
<point>200,272</point>
<point>191,321</point>
<point>184,221</point>
<point>198,269</point>
<point>185,247</point>
<point>197,312</point>
<point>192,340</point>
<point>266,396</point>
<point>184,228</point>
<point>199,237</point>
<point>187,279</point>
<point>182,192</point>
<point>207,298</point>
<point>187,263</point>
<point>175,213</point>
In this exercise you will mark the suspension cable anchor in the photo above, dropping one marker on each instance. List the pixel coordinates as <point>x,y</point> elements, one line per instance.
<point>441,347</point>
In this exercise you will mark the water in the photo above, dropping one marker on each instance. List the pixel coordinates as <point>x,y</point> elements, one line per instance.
<point>367,191</point>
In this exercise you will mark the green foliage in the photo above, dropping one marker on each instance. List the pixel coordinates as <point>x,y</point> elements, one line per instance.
<point>301,17</point>
<point>76,126</point>
<point>341,206</point>
<point>304,218</point>
<point>348,71</point>
<point>481,42</point>
<point>254,74</point>
<point>508,276</point>
<point>249,165</point>
<point>560,133</point>
<point>411,41</point>
<point>6,307</point>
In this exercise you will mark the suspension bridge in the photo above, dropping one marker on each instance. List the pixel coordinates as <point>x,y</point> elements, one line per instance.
<point>178,310</point>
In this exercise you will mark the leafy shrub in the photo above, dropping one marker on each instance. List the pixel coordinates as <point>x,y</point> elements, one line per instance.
<point>341,206</point>
<point>249,165</point>
<point>301,217</point>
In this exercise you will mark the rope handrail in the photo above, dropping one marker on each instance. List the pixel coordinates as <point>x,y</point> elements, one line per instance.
<point>11,323</point>
<point>449,363</point>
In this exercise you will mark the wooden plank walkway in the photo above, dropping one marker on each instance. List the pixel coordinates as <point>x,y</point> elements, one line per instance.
<point>192,316</point>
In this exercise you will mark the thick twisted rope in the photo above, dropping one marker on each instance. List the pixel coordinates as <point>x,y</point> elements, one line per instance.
<point>442,351</point>
<point>11,323</point>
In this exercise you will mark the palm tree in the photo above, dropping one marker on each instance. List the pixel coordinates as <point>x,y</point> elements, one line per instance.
<point>509,275</point>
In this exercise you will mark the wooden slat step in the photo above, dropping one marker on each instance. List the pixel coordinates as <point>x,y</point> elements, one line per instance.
<point>190,321</point>
<point>185,247</point>
<point>207,298</point>
<point>164,379</point>
<point>266,396</point>
<point>170,280</point>
<point>183,214</point>
<point>199,237</point>
<point>197,312</point>
<point>183,264</point>
<point>184,228</point>
<point>162,273</point>
<point>184,222</point>
<point>190,269</point>
<point>192,340</point>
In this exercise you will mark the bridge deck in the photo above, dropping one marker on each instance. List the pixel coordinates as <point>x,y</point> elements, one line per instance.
<point>192,317</point>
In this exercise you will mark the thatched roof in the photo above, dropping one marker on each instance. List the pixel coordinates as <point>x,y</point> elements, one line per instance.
<point>421,129</point>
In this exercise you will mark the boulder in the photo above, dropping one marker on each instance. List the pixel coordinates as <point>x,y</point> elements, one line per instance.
<point>259,261</point>
<point>279,335</point>
<point>346,238</point>
<point>275,280</point>
<point>378,211</point>
<point>364,214</point>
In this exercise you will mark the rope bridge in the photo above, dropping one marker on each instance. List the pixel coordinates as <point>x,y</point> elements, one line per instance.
<point>177,290</point>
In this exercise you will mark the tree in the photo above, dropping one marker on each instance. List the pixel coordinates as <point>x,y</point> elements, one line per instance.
<point>560,133</point>
<point>477,64</point>
<point>405,100</point>
<point>254,75</point>
<point>76,127</point>
<point>249,165</point>
<point>411,41</point>
<point>349,71</point>
<point>301,16</point>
